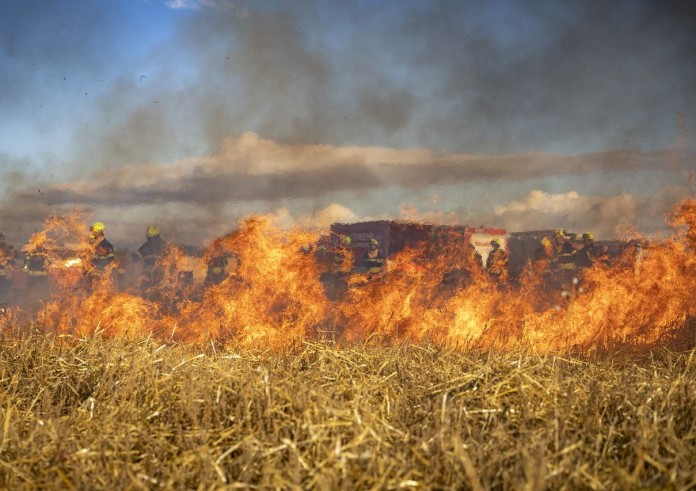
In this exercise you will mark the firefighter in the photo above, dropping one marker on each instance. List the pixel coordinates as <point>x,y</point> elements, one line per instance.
<point>545,250</point>
<point>373,259</point>
<point>151,252</point>
<point>343,256</point>
<point>220,263</point>
<point>36,262</point>
<point>564,274</point>
<point>102,250</point>
<point>497,262</point>
<point>564,252</point>
<point>340,255</point>
<point>585,255</point>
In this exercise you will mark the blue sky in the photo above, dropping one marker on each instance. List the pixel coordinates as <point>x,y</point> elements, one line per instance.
<point>456,109</point>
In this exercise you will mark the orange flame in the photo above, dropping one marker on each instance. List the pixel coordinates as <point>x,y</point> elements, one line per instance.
<point>275,293</point>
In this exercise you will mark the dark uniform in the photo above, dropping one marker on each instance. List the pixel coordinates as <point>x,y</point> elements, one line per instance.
<point>151,252</point>
<point>564,271</point>
<point>36,262</point>
<point>342,257</point>
<point>220,264</point>
<point>544,251</point>
<point>497,263</point>
<point>565,254</point>
<point>585,256</point>
<point>373,259</point>
<point>103,254</point>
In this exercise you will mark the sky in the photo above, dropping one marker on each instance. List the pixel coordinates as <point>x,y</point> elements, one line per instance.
<point>192,114</point>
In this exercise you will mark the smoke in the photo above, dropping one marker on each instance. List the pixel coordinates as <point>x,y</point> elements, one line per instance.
<point>592,74</point>
<point>197,196</point>
<point>334,213</point>
<point>250,168</point>
<point>604,216</point>
<point>458,77</point>
<point>238,104</point>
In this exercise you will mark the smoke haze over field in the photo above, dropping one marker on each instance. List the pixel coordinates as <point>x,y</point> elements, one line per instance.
<point>192,114</point>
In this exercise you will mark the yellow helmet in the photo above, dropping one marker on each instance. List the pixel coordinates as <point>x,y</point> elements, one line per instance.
<point>588,236</point>
<point>559,233</point>
<point>545,242</point>
<point>347,241</point>
<point>495,241</point>
<point>152,231</point>
<point>97,227</point>
<point>374,242</point>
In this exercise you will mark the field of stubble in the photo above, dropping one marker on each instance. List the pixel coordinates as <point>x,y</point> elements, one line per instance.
<point>144,414</point>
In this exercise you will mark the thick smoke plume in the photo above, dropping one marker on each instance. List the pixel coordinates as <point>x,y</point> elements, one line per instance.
<point>243,108</point>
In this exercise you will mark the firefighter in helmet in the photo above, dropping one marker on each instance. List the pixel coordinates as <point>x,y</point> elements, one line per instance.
<point>221,262</point>
<point>343,256</point>
<point>373,259</point>
<point>545,250</point>
<point>497,262</point>
<point>36,265</point>
<point>35,261</point>
<point>564,251</point>
<point>151,252</point>
<point>102,250</point>
<point>585,255</point>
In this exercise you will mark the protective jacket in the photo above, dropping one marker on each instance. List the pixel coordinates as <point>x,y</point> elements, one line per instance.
<point>151,251</point>
<point>36,262</point>
<point>373,259</point>
<point>565,256</point>
<point>585,256</point>
<point>497,262</point>
<point>103,252</point>
<point>342,260</point>
<point>217,268</point>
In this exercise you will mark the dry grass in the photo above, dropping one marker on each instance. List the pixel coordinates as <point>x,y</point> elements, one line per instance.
<point>109,414</point>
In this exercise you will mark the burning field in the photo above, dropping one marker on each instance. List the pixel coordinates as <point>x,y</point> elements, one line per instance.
<point>280,293</point>
<point>275,377</point>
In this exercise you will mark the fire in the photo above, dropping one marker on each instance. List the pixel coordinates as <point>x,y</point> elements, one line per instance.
<point>72,262</point>
<point>273,297</point>
<point>272,291</point>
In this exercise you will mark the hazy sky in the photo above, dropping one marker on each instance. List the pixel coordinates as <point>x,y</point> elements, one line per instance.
<point>193,113</point>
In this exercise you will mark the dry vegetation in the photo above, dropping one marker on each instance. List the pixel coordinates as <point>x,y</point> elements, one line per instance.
<point>110,414</point>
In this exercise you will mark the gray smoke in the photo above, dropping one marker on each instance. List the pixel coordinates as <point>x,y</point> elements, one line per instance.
<point>488,90</point>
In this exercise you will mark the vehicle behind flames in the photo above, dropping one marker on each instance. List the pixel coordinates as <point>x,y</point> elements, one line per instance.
<point>431,242</point>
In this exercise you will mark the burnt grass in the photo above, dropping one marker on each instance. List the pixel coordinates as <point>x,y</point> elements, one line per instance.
<point>146,414</point>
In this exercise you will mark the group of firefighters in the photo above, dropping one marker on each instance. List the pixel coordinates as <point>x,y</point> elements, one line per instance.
<point>557,256</point>
<point>35,261</point>
<point>557,253</point>
<point>560,255</point>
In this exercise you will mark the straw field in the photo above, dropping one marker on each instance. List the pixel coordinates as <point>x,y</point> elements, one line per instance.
<point>143,414</point>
